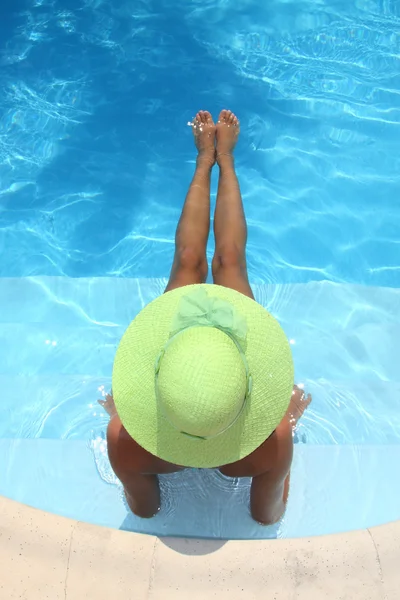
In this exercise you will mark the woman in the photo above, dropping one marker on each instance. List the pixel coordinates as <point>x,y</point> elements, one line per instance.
<point>203,377</point>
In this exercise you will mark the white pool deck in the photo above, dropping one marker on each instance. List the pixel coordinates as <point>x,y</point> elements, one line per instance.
<point>45,556</point>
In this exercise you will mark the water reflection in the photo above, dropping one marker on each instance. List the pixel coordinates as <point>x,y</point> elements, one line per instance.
<point>93,96</point>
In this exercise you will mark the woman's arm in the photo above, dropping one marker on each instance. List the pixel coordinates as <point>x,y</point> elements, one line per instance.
<point>270,490</point>
<point>130,463</point>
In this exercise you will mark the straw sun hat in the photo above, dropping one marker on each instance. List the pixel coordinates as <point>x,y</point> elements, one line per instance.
<point>202,376</point>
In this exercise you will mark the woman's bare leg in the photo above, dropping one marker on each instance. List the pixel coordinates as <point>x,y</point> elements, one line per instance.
<point>190,261</point>
<point>230,229</point>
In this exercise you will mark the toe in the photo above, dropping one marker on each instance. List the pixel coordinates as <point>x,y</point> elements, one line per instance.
<point>223,116</point>
<point>231,118</point>
<point>196,121</point>
<point>207,117</point>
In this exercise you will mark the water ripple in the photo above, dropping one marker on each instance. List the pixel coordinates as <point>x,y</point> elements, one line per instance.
<point>58,338</point>
<point>90,187</point>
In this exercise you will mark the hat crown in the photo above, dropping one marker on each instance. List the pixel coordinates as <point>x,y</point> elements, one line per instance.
<point>202,381</point>
<point>160,379</point>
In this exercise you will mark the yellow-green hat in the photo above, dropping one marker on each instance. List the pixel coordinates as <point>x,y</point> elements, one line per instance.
<point>202,376</point>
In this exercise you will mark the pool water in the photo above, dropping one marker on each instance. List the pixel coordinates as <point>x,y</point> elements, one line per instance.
<point>95,161</point>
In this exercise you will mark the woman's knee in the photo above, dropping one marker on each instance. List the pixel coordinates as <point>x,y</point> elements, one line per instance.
<point>228,257</point>
<point>190,259</point>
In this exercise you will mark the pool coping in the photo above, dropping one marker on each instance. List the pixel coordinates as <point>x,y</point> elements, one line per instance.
<point>44,555</point>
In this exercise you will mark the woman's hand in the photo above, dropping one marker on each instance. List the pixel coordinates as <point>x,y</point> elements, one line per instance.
<point>108,404</point>
<point>298,404</point>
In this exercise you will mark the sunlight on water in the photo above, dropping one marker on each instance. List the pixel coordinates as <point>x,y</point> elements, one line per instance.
<point>91,107</point>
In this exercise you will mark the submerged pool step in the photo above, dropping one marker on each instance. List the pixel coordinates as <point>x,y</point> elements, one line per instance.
<point>57,405</point>
<point>333,488</point>
<point>102,301</point>
<point>338,331</point>
<point>365,352</point>
<point>58,338</point>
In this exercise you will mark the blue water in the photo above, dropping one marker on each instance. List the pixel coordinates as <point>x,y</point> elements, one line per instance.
<point>95,161</point>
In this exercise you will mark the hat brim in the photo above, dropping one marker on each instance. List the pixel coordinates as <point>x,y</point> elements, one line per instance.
<point>133,381</point>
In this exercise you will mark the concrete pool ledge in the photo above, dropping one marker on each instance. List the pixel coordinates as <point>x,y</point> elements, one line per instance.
<point>46,556</point>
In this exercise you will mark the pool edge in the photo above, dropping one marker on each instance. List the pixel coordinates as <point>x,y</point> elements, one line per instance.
<point>42,555</point>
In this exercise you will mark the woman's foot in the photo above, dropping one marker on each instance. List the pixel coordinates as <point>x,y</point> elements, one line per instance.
<point>228,129</point>
<point>203,128</point>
